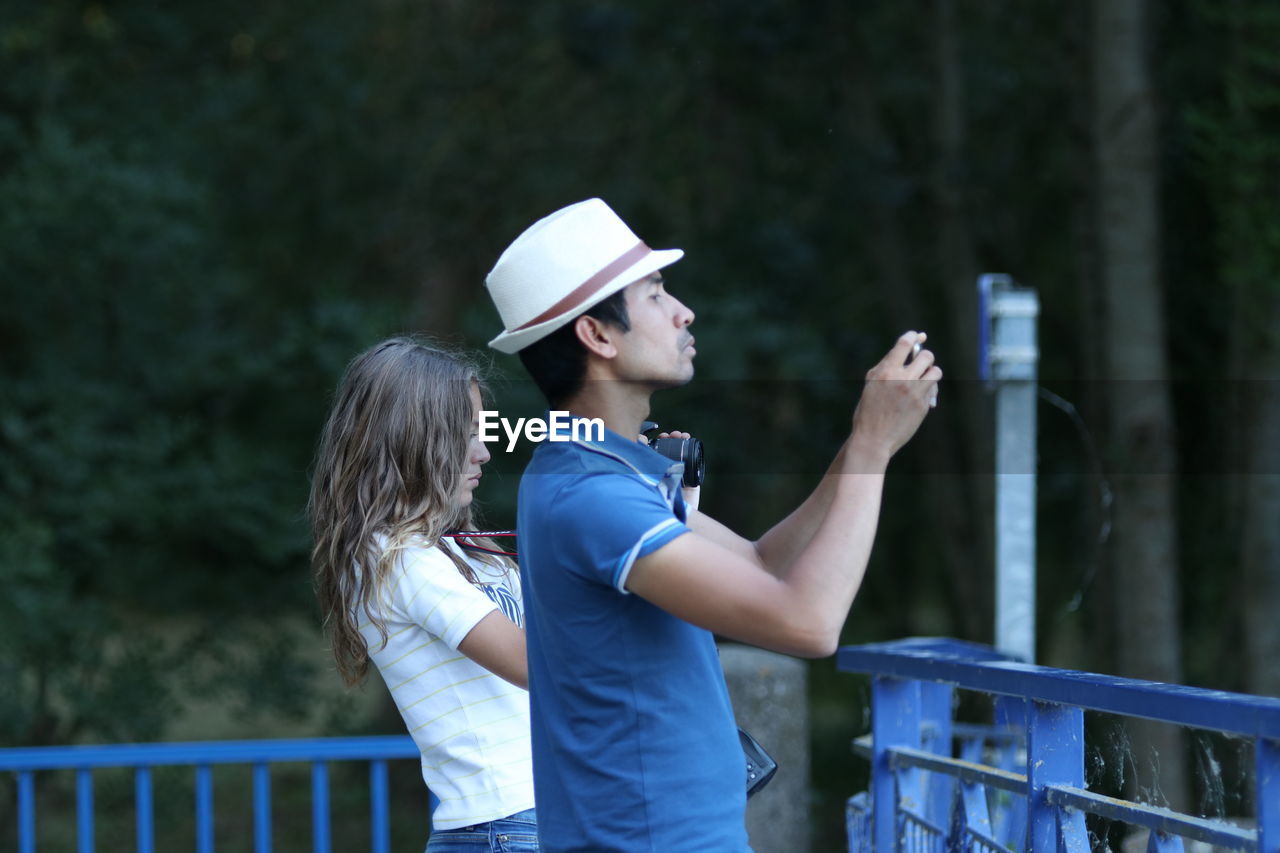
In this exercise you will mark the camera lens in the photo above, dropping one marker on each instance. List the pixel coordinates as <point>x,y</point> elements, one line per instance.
<point>688,451</point>
<point>695,469</point>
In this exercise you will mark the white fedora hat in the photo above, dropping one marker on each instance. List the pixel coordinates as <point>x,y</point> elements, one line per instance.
<point>562,265</point>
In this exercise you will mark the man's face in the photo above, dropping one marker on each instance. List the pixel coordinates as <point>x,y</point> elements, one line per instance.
<point>659,348</point>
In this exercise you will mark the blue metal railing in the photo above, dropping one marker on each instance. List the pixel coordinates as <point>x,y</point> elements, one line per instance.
<point>923,797</point>
<point>260,754</point>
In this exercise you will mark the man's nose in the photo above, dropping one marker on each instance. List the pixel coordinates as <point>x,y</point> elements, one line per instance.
<point>481,453</point>
<point>684,315</point>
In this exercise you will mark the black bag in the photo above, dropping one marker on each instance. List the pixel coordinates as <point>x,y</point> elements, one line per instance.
<point>760,765</point>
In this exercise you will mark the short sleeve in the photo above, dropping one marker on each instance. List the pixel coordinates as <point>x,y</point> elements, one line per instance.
<point>428,590</point>
<point>608,521</point>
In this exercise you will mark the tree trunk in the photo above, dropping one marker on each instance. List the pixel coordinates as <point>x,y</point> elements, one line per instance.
<point>1243,156</point>
<point>1145,555</point>
<point>1261,534</point>
<point>970,407</point>
<point>956,256</point>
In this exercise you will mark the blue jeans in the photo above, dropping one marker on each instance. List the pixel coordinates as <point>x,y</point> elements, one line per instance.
<point>517,833</point>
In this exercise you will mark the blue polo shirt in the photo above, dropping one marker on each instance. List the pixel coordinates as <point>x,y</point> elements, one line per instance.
<point>634,742</point>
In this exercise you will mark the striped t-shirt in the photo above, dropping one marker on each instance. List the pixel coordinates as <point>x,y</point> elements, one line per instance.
<point>471,726</point>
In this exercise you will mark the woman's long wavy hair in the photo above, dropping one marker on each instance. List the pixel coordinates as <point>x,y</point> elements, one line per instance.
<point>387,474</point>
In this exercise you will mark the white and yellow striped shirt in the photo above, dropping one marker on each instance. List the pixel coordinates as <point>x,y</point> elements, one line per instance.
<point>471,726</point>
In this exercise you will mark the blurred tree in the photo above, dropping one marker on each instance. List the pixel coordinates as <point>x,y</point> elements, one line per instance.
<point>161,389</point>
<point>962,504</point>
<point>1149,642</point>
<point>205,210</point>
<point>1240,161</point>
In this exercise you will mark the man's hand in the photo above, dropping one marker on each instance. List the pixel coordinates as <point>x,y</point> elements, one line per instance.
<point>897,396</point>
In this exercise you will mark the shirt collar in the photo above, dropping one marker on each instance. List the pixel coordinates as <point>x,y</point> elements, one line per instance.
<point>644,459</point>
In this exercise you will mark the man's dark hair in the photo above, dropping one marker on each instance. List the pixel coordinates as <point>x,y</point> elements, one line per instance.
<point>558,362</point>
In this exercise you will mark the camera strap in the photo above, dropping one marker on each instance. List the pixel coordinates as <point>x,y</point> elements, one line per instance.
<point>461,536</point>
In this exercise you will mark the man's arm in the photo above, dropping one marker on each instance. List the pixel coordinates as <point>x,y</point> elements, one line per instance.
<point>775,551</point>
<point>702,582</point>
<point>778,548</point>
<point>708,578</point>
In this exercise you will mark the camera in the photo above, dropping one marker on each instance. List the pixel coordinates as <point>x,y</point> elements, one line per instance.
<point>686,450</point>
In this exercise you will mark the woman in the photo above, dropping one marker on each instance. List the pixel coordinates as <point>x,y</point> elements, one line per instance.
<point>439,614</point>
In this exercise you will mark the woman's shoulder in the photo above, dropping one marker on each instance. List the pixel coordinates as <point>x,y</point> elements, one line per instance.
<point>419,559</point>
<point>445,554</point>
<point>419,553</point>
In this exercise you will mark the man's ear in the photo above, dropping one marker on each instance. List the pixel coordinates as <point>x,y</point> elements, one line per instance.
<point>599,338</point>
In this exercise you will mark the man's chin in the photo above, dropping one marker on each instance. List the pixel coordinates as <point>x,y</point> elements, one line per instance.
<point>674,381</point>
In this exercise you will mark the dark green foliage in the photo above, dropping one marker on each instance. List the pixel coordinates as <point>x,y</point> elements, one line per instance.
<point>206,209</point>
<point>162,386</point>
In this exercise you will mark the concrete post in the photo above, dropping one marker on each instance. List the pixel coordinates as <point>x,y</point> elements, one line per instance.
<point>770,700</point>
<point>1010,354</point>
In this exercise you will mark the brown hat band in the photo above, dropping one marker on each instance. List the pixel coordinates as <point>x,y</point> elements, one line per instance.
<point>583,291</point>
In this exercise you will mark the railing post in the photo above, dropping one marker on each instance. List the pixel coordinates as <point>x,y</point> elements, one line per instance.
<point>320,807</point>
<point>204,809</point>
<point>973,813</point>
<point>895,721</point>
<point>1055,756</point>
<point>379,816</point>
<point>262,807</point>
<point>145,812</point>
<point>935,718</point>
<point>1009,711</point>
<point>84,810</point>
<point>1010,819</point>
<point>26,811</point>
<point>1267,769</point>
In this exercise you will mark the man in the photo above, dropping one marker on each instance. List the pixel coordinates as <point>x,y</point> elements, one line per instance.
<point>634,743</point>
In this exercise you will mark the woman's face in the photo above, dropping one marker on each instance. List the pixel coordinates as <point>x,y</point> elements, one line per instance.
<point>477,452</point>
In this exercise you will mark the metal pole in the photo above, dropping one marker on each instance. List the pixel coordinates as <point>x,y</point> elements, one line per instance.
<point>1010,355</point>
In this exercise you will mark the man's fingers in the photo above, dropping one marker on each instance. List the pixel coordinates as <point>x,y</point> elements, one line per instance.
<point>906,351</point>
<point>933,376</point>
<point>904,344</point>
<point>922,363</point>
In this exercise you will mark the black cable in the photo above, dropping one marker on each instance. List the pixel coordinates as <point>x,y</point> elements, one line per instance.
<point>1105,495</point>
